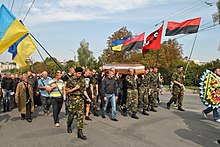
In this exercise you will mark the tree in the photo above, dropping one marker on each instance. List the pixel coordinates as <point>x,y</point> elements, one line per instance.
<point>70,64</point>
<point>169,55</point>
<point>39,67</point>
<point>52,66</point>
<point>115,56</point>
<point>216,16</point>
<point>85,56</point>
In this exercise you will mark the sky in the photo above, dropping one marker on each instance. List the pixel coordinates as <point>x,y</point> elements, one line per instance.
<point>60,25</point>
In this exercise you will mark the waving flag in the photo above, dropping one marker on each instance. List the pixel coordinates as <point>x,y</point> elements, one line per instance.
<point>117,44</point>
<point>153,41</point>
<point>23,48</point>
<point>187,27</point>
<point>11,30</point>
<point>134,43</point>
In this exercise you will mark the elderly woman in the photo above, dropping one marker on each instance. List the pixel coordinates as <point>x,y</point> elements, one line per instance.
<point>24,98</point>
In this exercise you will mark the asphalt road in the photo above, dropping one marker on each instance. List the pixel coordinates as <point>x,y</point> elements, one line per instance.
<point>165,128</point>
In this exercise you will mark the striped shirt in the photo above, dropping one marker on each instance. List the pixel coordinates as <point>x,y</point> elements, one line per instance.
<point>56,92</point>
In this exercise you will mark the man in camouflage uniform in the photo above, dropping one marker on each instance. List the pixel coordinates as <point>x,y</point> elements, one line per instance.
<point>132,94</point>
<point>154,88</point>
<point>94,80</point>
<point>178,88</point>
<point>144,84</point>
<point>76,88</point>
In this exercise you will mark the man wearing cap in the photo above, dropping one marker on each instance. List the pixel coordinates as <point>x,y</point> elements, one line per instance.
<point>154,88</point>
<point>144,83</point>
<point>178,88</point>
<point>132,94</point>
<point>76,89</point>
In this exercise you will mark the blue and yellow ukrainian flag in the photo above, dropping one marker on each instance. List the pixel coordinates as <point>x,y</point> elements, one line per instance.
<point>22,49</point>
<point>117,44</point>
<point>11,30</point>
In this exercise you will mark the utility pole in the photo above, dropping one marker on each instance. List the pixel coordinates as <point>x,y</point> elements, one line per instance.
<point>74,55</point>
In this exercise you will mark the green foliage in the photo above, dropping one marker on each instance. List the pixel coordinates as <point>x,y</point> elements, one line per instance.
<point>216,15</point>
<point>115,56</point>
<point>70,64</point>
<point>85,56</point>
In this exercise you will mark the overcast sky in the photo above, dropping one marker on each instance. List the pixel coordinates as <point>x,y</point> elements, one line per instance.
<point>60,25</point>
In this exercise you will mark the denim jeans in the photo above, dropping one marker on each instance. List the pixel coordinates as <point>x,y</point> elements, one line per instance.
<point>57,104</point>
<point>112,99</point>
<point>7,94</point>
<point>215,112</point>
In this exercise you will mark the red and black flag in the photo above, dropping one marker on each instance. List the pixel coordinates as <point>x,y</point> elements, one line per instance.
<point>187,27</point>
<point>134,43</point>
<point>153,41</point>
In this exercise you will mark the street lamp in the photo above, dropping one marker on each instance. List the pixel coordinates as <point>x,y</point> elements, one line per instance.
<point>74,55</point>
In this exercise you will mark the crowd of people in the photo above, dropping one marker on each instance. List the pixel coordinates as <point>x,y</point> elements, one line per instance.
<point>87,92</point>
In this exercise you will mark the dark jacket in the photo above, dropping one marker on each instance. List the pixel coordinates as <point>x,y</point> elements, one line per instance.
<point>109,86</point>
<point>34,83</point>
<point>8,84</point>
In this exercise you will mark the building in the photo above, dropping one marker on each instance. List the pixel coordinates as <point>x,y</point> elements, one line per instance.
<point>7,66</point>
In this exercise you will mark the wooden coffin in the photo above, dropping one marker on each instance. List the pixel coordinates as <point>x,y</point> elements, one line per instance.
<point>123,68</point>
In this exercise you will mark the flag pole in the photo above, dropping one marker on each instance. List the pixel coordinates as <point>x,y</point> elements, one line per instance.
<point>194,42</point>
<point>46,51</point>
<point>51,57</point>
<point>43,60</point>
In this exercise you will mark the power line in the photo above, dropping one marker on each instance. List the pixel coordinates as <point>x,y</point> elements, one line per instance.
<point>186,11</point>
<point>29,10</point>
<point>12,4</point>
<point>174,14</point>
<point>20,8</point>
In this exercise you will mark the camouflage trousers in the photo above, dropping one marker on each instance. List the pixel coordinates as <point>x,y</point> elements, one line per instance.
<point>76,108</point>
<point>153,96</point>
<point>95,101</point>
<point>143,95</point>
<point>178,94</point>
<point>132,100</point>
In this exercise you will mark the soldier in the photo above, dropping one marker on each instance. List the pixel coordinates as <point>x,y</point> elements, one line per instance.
<point>76,88</point>
<point>154,88</point>
<point>132,94</point>
<point>178,88</point>
<point>94,78</point>
<point>144,82</point>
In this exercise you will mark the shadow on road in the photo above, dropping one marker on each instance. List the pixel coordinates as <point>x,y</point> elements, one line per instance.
<point>5,117</point>
<point>198,130</point>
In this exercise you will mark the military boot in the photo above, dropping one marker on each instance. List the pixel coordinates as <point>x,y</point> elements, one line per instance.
<point>69,129</point>
<point>80,135</point>
<point>145,112</point>
<point>134,116</point>
<point>153,109</point>
<point>124,112</point>
<point>181,109</point>
<point>168,105</point>
<point>96,113</point>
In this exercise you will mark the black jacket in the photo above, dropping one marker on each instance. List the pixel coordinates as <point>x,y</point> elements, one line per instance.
<point>109,86</point>
<point>8,84</point>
